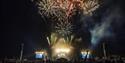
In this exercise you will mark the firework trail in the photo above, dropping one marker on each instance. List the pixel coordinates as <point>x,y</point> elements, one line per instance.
<point>52,39</point>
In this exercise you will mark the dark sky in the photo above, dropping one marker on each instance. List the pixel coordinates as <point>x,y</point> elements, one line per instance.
<point>20,23</point>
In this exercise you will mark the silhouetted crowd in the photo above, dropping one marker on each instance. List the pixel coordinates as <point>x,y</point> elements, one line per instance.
<point>62,60</point>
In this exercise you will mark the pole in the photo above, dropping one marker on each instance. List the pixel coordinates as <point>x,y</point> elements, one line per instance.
<point>21,52</point>
<point>104,51</point>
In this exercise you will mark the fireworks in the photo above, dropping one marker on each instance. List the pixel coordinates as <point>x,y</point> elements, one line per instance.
<point>63,28</point>
<point>62,49</point>
<point>46,7</point>
<point>52,7</point>
<point>52,39</point>
<point>60,13</point>
<point>55,38</point>
<point>89,6</point>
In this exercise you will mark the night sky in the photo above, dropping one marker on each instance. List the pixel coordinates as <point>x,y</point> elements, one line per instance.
<point>21,23</point>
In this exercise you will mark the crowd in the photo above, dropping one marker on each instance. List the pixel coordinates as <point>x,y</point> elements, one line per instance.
<point>62,60</point>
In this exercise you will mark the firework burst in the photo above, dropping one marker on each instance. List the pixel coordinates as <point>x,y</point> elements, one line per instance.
<point>89,6</point>
<point>61,11</point>
<point>64,28</point>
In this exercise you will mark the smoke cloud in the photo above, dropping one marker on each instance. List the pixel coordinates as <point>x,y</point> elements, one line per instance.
<point>104,29</point>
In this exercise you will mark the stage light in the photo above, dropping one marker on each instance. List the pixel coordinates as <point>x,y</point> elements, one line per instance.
<point>62,52</point>
<point>65,50</point>
<point>40,54</point>
<point>85,54</point>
